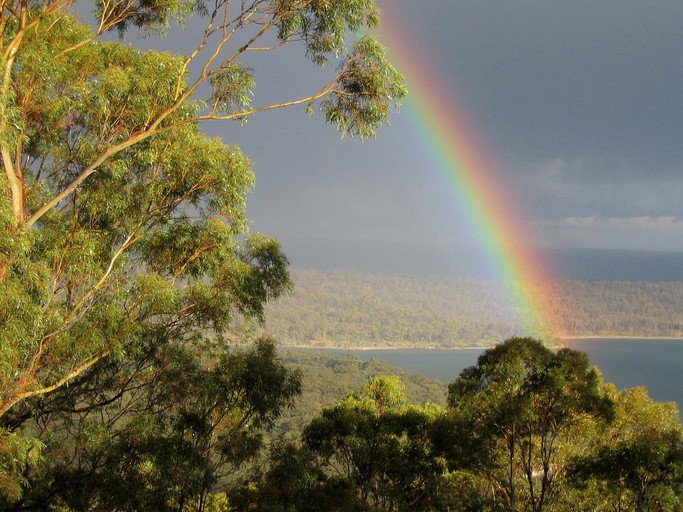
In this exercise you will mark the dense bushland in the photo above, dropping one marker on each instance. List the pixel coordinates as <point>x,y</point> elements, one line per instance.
<point>525,429</point>
<point>345,308</point>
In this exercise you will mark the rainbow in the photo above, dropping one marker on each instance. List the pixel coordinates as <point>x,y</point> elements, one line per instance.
<point>476,186</point>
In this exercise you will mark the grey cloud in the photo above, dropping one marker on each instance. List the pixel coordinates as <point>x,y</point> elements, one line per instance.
<point>571,78</point>
<point>579,104</point>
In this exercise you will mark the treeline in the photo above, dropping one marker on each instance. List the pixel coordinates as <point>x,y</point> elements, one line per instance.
<point>525,429</point>
<point>346,308</point>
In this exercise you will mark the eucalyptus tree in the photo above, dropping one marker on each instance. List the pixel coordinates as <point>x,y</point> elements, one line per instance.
<point>123,224</point>
<point>180,431</point>
<point>380,448</point>
<point>511,413</point>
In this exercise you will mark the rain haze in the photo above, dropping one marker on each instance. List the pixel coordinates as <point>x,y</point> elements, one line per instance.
<point>577,105</point>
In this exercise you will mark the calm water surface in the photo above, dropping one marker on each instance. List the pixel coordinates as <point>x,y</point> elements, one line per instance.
<point>656,364</point>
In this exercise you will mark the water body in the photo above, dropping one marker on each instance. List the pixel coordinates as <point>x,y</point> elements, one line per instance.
<point>653,363</point>
<point>615,265</point>
<point>656,364</point>
<point>406,258</point>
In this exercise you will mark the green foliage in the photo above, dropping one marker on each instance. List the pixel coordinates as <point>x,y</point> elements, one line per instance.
<point>386,393</point>
<point>368,88</point>
<point>326,379</point>
<point>380,446</point>
<point>127,248</point>
<point>19,452</point>
<point>186,423</point>
<point>628,309</point>
<point>322,25</point>
<point>293,481</point>
<point>146,15</point>
<point>636,461</point>
<point>527,429</point>
<point>127,262</point>
<point>369,452</point>
<point>350,309</point>
<point>516,406</point>
<point>232,88</point>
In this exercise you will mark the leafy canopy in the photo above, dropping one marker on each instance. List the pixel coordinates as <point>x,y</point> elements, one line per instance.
<point>125,227</point>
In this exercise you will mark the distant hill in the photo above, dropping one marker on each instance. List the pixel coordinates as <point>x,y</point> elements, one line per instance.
<point>347,308</point>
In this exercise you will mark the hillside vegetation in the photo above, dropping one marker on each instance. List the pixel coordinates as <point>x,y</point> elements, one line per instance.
<point>327,378</point>
<point>525,429</point>
<point>346,308</point>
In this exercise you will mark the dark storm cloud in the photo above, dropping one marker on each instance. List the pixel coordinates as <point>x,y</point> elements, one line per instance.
<point>578,103</point>
<point>555,79</point>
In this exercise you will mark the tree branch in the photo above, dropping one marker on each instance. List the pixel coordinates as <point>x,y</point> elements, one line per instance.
<point>48,389</point>
<point>153,128</point>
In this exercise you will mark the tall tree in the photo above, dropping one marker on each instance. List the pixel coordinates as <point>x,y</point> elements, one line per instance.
<point>124,225</point>
<point>381,448</point>
<point>511,411</point>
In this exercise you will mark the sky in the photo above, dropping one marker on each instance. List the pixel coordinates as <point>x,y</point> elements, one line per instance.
<point>577,105</point>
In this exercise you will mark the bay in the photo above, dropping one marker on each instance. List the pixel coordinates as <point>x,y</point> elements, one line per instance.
<point>656,364</point>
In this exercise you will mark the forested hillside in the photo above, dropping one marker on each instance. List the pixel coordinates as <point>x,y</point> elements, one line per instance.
<point>326,379</point>
<point>345,308</point>
<point>621,307</point>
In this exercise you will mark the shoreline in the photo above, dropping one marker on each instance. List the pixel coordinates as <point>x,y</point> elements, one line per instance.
<point>362,348</point>
<point>383,347</point>
<point>620,337</point>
